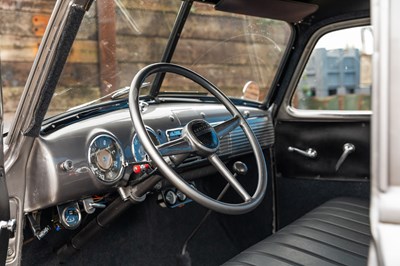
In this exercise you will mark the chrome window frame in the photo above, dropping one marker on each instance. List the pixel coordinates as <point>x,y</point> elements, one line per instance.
<point>288,112</point>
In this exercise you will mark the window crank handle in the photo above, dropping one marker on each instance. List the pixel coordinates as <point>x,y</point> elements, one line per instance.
<point>347,149</point>
<point>310,153</point>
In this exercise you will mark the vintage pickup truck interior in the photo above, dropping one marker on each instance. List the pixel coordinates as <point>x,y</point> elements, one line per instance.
<point>168,132</point>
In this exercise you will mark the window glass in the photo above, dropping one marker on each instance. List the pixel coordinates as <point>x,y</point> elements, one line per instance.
<point>338,74</point>
<point>239,54</point>
<point>115,40</point>
<point>20,40</point>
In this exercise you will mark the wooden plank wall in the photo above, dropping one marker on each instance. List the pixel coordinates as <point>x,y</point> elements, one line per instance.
<point>221,54</point>
<point>18,45</point>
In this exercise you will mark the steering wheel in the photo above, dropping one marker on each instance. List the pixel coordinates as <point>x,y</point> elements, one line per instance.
<point>199,137</point>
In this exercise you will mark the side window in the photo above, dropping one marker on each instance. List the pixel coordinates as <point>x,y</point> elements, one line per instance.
<point>338,74</point>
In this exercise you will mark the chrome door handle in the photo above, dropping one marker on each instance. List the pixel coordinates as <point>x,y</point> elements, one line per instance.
<point>347,149</point>
<point>310,153</point>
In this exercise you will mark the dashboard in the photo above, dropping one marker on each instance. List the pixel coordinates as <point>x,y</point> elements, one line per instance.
<point>101,153</point>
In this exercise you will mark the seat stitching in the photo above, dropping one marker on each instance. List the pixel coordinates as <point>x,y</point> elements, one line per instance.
<point>327,222</point>
<point>307,252</point>
<point>350,204</point>
<point>329,233</point>
<point>242,262</point>
<point>341,217</point>
<point>272,256</point>
<point>345,210</point>
<point>325,243</point>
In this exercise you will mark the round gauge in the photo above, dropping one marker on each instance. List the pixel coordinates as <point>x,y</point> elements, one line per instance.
<point>71,217</point>
<point>106,158</point>
<point>139,154</point>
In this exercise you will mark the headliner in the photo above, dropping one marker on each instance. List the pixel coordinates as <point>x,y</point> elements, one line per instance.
<point>292,11</point>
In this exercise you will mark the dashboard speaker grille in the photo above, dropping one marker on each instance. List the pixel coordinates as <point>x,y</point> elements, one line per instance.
<point>236,142</point>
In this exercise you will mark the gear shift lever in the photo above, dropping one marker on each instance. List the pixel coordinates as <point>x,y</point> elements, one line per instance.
<point>183,259</point>
<point>240,168</point>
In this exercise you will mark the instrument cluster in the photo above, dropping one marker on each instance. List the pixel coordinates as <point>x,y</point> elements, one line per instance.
<point>106,157</point>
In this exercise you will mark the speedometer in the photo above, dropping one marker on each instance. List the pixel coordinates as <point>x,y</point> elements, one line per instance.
<point>138,151</point>
<point>106,158</point>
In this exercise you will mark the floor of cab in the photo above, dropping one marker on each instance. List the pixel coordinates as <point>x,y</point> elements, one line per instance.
<point>150,235</point>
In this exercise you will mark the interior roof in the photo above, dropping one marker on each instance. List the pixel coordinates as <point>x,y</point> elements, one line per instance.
<point>326,8</point>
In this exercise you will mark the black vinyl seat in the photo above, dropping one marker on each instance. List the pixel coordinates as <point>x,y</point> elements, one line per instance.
<point>336,233</point>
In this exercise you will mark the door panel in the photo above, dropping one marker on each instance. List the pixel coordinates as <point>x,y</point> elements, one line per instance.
<point>328,140</point>
<point>304,183</point>
<point>326,107</point>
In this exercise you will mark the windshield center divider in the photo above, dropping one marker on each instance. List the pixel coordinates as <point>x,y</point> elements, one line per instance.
<point>172,42</point>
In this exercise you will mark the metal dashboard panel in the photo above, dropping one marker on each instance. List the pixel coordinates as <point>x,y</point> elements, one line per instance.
<point>48,184</point>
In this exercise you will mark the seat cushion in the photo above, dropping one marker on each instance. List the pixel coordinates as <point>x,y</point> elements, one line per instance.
<point>336,233</point>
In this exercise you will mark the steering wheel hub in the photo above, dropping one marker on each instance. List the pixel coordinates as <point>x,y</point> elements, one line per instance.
<point>202,135</point>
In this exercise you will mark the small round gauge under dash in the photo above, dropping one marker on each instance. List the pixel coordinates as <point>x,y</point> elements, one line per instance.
<point>106,158</point>
<point>71,217</point>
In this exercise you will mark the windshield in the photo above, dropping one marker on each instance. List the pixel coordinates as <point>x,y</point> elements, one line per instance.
<point>115,40</point>
<point>239,54</point>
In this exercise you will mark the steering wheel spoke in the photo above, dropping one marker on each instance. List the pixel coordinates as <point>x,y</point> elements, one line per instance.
<point>226,127</point>
<point>175,147</point>
<point>224,171</point>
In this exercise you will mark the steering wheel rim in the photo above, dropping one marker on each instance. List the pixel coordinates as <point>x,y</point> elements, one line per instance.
<point>169,173</point>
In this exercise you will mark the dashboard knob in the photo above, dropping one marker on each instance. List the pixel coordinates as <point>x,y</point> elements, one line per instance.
<point>240,168</point>
<point>67,165</point>
<point>170,197</point>
<point>181,196</point>
<point>137,169</point>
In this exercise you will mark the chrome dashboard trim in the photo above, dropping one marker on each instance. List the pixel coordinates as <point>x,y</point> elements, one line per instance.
<point>326,114</point>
